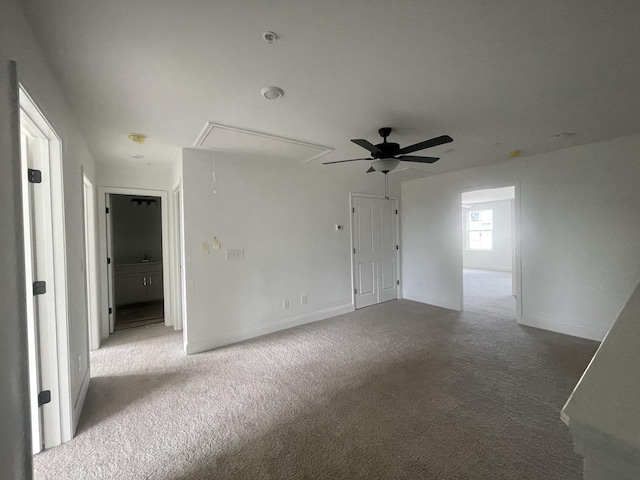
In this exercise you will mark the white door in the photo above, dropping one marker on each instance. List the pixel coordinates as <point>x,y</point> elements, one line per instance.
<point>375,250</point>
<point>40,284</point>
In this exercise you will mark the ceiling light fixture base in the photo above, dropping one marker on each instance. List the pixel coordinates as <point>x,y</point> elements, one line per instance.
<point>272,93</point>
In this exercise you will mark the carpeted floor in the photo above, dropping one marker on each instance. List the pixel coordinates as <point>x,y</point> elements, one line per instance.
<point>400,390</point>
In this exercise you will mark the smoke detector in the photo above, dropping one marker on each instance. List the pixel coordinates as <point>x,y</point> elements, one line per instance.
<point>272,93</point>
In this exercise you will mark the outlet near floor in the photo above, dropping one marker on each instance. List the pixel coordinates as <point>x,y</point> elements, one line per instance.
<point>285,304</point>
<point>303,300</point>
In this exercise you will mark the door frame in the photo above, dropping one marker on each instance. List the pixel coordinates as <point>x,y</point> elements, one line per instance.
<point>516,241</point>
<point>91,259</point>
<point>105,271</point>
<point>176,260</point>
<point>57,423</point>
<point>352,195</point>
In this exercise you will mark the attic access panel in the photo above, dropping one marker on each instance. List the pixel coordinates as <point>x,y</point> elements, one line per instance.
<point>258,144</point>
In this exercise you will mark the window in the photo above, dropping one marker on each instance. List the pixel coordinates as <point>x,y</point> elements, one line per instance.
<point>480,230</point>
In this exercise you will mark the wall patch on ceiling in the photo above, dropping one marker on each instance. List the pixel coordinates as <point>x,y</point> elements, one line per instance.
<point>138,138</point>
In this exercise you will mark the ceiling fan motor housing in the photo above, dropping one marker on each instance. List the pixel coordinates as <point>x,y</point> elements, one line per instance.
<point>387,150</point>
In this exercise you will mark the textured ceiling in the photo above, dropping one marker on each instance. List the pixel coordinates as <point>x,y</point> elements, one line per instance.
<point>495,75</point>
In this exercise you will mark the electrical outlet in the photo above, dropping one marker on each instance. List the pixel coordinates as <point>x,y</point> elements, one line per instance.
<point>303,300</point>
<point>79,363</point>
<point>205,248</point>
<point>285,304</point>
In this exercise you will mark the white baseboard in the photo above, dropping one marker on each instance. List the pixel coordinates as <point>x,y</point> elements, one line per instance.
<point>252,332</point>
<point>448,306</point>
<point>491,269</point>
<point>77,407</point>
<point>565,328</point>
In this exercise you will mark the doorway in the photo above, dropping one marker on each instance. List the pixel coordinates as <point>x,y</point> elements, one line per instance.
<point>374,227</point>
<point>489,248</point>
<point>136,254</point>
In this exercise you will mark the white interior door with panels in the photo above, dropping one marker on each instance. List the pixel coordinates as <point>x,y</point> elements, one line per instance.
<point>375,250</point>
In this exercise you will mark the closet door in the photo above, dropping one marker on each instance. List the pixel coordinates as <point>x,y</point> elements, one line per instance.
<point>374,250</point>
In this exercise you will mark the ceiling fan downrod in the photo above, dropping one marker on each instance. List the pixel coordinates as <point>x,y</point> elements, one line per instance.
<point>386,185</point>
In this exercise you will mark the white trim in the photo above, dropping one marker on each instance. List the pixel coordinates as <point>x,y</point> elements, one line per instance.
<point>490,269</point>
<point>91,260</point>
<point>433,304</point>
<point>565,328</point>
<point>58,422</point>
<point>166,259</point>
<point>209,126</point>
<point>253,332</point>
<point>77,408</point>
<point>176,257</point>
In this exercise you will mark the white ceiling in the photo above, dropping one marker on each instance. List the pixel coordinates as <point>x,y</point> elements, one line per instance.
<point>496,75</point>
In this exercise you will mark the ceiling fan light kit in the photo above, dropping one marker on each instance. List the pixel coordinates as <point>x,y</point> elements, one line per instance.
<point>387,155</point>
<point>385,165</point>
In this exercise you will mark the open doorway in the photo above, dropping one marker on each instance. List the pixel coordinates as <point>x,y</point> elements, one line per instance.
<point>489,250</point>
<point>137,258</point>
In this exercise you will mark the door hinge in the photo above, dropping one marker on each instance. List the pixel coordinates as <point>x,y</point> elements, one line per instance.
<point>108,260</point>
<point>353,210</point>
<point>34,176</point>
<point>354,251</point>
<point>397,247</point>
<point>397,282</point>
<point>39,288</point>
<point>110,310</point>
<point>355,291</point>
<point>107,209</point>
<point>44,397</point>
<point>396,212</point>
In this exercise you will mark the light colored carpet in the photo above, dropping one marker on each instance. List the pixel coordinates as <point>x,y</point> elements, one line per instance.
<point>132,316</point>
<point>400,390</point>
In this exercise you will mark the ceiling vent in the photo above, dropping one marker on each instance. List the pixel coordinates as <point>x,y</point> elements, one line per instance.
<point>257,144</point>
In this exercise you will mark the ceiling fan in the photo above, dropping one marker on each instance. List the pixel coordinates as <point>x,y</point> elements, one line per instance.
<point>387,155</point>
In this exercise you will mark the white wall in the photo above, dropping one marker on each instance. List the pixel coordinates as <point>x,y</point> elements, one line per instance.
<point>18,43</point>
<point>499,258</point>
<point>579,234</point>
<point>152,177</point>
<point>15,435</point>
<point>283,217</point>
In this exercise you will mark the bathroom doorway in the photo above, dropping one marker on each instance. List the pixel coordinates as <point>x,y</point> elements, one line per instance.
<point>136,257</point>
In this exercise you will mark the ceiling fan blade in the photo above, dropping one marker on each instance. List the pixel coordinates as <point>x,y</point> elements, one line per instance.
<point>434,142</point>
<point>350,160</point>
<point>371,169</point>
<point>412,158</point>
<point>368,145</point>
